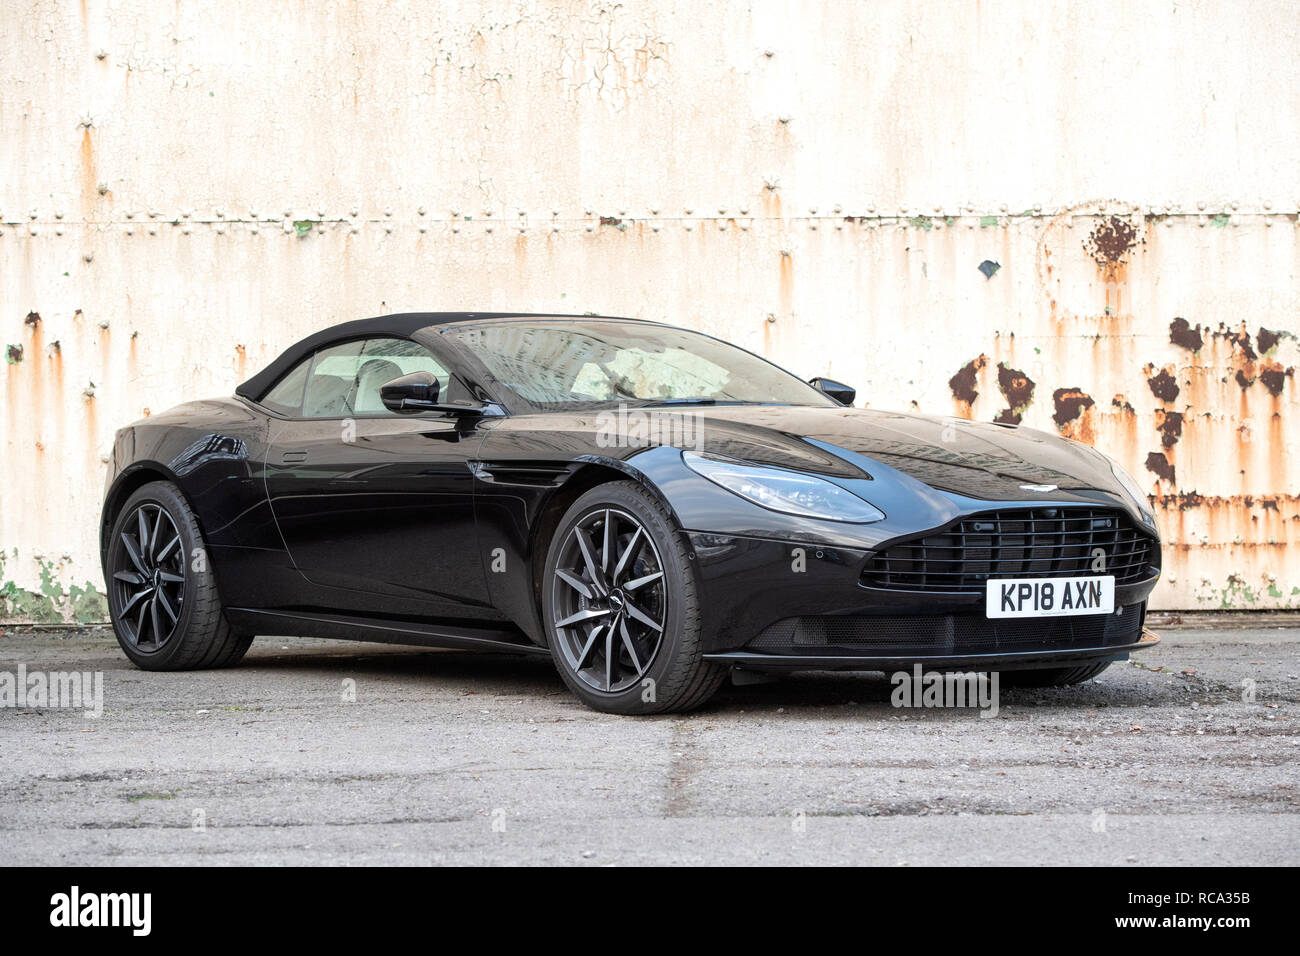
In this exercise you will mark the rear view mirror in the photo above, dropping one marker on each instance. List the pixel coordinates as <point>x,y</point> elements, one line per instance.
<point>844,394</point>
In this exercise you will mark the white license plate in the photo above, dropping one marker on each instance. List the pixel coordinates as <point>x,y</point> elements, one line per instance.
<point>1049,597</point>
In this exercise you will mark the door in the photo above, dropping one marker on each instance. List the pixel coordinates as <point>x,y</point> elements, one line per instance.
<point>374,505</point>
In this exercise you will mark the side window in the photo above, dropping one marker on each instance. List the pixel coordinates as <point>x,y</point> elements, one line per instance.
<point>383,360</point>
<point>286,396</point>
<point>332,381</point>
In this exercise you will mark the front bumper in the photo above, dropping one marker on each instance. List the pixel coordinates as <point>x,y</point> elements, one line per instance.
<point>776,604</point>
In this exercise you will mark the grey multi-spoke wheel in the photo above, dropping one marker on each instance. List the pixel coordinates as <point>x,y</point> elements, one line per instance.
<point>161,596</point>
<point>619,598</point>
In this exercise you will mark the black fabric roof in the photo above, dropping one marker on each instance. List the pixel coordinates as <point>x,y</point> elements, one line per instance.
<point>401,325</point>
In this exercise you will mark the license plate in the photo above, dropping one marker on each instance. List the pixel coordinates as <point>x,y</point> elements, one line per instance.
<point>1049,597</point>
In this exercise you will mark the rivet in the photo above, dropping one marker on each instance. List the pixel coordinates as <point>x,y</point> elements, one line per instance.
<point>769,53</point>
<point>689,227</point>
<point>58,214</point>
<point>101,54</point>
<point>252,214</point>
<point>186,229</point>
<point>388,211</point>
<point>89,257</point>
<point>654,210</point>
<point>722,225</point>
<point>1201,204</point>
<point>355,229</point>
<point>590,227</point>
<point>1202,220</point>
<point>320,212</point>
<point>288,227</point>
<point>423,228</point>
<point>1267,204</point>
<point>253,229</point>
<point>58,230</point>
<point>837,209</point>
<point>523,229</point>
<point>221,229</point>
<point>744,226</point>
<point>1235,205</point>
<point>523,213</point>
<point>153,230</point>
<point>288,213</point>
<point>744,210</point>
<point>721,211</point>
<point>812,210</point>
<point>1003,207</point>
<point>654,226</point>
<point>785,120</point>
<point>130,230</point>
<point>622,212</point>
<point>354,212</point>
<point>487,213</point>
<point>221,213</point>
<point>812,224</point>
<point>103,189</point>
<point>32,214</point>
<point>555,212</point>
<point>455,227</point>
<point>690,212</point>
<point>555,228</point>
<point>455,214</point>
<point>31,230</point>
<point>130,214</point>
<point>771,318</point>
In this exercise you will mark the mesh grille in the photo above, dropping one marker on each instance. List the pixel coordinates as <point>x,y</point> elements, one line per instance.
<point>938,634</point>
<point>1030,542</point>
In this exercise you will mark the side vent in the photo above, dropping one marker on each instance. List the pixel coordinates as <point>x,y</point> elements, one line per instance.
<point>532,474</point>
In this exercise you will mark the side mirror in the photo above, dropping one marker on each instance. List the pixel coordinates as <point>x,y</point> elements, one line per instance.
<point>410,392</point>
<point>844,394</point>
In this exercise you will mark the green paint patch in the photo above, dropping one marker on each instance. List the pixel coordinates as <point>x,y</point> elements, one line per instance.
<point>14,354</point>
<point>986,221</point>
<point>1221,220</point>
<point>49,603</point>
<point>303,226</point>
<point>920,222</point>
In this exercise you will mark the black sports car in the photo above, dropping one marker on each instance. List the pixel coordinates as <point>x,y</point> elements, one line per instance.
<point>649,505</point>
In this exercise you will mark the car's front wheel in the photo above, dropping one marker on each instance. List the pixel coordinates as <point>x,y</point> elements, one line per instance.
<point>621,607</point>
<point>161,594</point>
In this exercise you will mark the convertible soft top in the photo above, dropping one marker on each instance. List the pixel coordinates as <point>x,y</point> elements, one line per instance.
<point>402,325</point>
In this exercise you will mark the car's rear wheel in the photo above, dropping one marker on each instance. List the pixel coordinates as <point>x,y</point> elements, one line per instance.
<point>161,594</point>
<point>620,602</point>
<point>1053,676</point>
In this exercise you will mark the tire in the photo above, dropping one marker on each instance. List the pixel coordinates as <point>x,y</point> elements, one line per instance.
<point>151,571</point>
<point>634,642</point>
<point>1054,676</point>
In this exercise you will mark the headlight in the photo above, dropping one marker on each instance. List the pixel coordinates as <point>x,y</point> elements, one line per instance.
<point>1135,491</point>
<point>791,492</point>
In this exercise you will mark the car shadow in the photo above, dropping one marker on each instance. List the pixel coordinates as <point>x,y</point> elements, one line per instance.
<point>490,674</point>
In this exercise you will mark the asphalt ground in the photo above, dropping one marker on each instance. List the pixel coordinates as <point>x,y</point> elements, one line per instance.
<point>446,757</point>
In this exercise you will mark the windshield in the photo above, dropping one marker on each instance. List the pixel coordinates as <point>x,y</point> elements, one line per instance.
<point>567,364</point>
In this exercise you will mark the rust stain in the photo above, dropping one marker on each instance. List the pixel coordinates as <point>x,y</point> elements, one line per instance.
<point>1273,376</point>
<point>964,385</point>
<point>15,354</point>
<point>1123,404</point>
<point>241,361</point>
<point>89,180</point>
<point>1159,464</point>
<point>1170,426</point>
<point>1018,389</point>
<point>1266,339</point>
<point>787,282</point>
<point>1111,241</point>
<point>1164,385</point>
<point>1073,415</point>
<point>1184,334</point>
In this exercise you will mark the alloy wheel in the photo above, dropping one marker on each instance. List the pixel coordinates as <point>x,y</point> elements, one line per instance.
<point>149,576</point>
<point>609,600</point>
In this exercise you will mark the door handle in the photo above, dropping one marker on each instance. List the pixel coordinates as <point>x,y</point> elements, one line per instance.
<point>292,457</point>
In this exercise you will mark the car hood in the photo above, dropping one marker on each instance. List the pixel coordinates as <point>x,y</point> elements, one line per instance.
<point>975,459</point>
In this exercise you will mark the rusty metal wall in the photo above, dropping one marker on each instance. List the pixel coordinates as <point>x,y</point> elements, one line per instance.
<point>1079,216</point>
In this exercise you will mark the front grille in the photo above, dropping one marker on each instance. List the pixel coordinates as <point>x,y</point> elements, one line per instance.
<point>948,634</point>
<point>1028,542</point>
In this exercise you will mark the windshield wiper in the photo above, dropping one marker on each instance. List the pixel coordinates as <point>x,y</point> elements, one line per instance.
<point>679,401</point>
